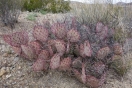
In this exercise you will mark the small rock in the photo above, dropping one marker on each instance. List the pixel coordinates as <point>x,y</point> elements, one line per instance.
<point>2,71</point>
<point>14,83</point>
<point>19,72</point>
<point>19,67</point>
<point>8,76</point>
<point>5,55</point>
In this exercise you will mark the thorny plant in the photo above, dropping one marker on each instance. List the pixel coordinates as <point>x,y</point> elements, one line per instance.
<point>87,52</point>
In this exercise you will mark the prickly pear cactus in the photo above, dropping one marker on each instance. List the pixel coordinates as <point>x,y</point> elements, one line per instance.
<point>7,39</point>
<point>28,52</point>
<point>84,50</point>
<point>36,45</point>
<point>65,64</point>
<point>83,76</point>
<point>16,39</point>
<point>92,81</point>
<point>55,61</point>
<point>44,54</point>
<point>59,29</point>
<point>40,33</point>
<point>40,65</point>
<point>73,35</point>
<point>60,46</point>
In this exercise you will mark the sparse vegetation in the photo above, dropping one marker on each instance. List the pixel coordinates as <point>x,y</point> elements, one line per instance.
<point>9,11</point>
<point>92,13</point>
<point>32,5</point>
<point>112,15</point>
<point>54,6</point>
<point>31,16</point>
<point>58,6</point>
<point>42,11</point>
<point>87,44</point>
<point>87,54</point>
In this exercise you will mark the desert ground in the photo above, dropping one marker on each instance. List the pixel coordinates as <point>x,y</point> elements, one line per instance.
<point>16,72</point>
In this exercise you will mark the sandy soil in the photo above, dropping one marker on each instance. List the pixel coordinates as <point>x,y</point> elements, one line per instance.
<point>16,72</point>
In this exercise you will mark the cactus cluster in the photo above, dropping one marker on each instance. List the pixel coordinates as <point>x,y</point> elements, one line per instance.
<point>82,51</point>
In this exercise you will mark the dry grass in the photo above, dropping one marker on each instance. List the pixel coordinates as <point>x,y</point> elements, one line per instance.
<point>109,14</point>
<point>92,13</point>
<point>128,12</point>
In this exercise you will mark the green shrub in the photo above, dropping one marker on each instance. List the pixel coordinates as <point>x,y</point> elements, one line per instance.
<point>42,11</point>
<point>54,6</point>
<point>32,5</point>
<point>60,6</point>
<point>31,17</point>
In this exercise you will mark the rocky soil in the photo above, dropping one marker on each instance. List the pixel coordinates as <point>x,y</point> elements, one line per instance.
<point>16,72</point>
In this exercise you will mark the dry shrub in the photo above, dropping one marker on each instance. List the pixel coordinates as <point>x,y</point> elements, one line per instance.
<point>128,11</point>
<point>9,11</point>
<point>109,14</point>
<point>92,13</point>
